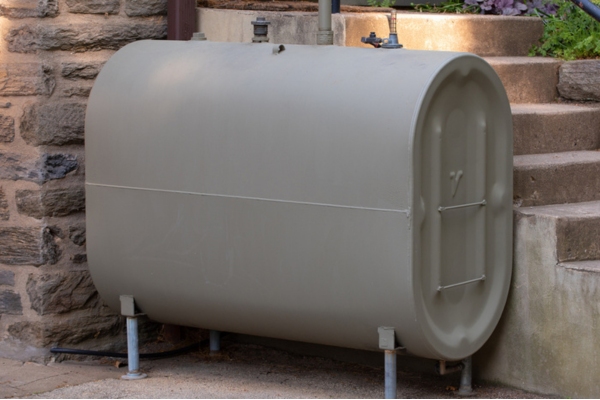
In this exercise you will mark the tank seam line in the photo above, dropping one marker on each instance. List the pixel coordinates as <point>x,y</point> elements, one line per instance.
<point>249,198</point>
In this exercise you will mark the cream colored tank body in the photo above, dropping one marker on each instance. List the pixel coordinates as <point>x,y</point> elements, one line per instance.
<point>311,195</point>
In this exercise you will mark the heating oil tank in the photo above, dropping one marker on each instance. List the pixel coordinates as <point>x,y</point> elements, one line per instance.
<point>308,193</point>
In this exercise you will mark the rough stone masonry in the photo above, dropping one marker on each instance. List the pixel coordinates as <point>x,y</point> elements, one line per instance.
<point>50,53</point>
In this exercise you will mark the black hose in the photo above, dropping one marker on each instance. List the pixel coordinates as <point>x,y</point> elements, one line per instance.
<point>163,354</point>
<point>588,7</point>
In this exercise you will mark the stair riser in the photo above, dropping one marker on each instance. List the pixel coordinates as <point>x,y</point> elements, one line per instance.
<point>578,239</point>
<point>552,184</point>
<point>528,82</point>
<point>553,133</point>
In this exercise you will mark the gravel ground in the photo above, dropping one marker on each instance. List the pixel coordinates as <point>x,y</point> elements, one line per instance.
<point>244,370</point>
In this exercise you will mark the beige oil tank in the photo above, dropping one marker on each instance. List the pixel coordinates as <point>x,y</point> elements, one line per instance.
<point>304,193</point>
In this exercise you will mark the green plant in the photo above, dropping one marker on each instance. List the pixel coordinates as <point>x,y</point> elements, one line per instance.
<point>570,34</point>
<point>450,6</point>
<point>497,7</point>
<point>381,3</point>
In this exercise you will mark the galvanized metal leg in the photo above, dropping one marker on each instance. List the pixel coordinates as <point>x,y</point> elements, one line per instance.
<point>466,378</point>
<point>133,355</point>
<point>387,342</point>
<point>215,341</point>
<point>390,374</point>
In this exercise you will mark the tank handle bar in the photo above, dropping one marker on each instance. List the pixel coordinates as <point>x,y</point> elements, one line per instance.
<point>440,288</point>
<point>479,203</point>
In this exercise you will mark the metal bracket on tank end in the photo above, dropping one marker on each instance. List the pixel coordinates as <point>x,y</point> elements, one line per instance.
<point>387,342</point>
<point>133,354</point>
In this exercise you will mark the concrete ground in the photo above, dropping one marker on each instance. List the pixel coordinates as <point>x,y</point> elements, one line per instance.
<point>241,370</point>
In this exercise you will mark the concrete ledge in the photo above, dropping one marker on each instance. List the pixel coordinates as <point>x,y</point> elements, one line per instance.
<point>480,34</point>
<point>547,340</point>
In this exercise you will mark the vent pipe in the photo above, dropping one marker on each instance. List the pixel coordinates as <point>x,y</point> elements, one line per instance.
<point>325,34</point>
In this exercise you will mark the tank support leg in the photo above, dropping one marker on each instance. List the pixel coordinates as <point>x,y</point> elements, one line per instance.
<point>133,355</point>
<point>390,374</point>
<point>466,378</point>
<point>387,342</point>
<point>215,341</point>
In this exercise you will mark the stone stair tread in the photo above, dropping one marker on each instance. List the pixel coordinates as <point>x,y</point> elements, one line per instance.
<point>527,79</point>
<point>556,178</point>
<point>582,266</point>
<point>577,230</point>
<point>566,158</point>
<point>553,108</point>
<point>521,60</point>
<point>589,209</point>
<point>555,127</point>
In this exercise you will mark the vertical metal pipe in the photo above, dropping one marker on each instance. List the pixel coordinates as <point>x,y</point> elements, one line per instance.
<point>133,355</point>
<point>215,341</point>
<point>466,378</point>
<point>325,34</point>
<point>335,6</point>
<point>390,374</point>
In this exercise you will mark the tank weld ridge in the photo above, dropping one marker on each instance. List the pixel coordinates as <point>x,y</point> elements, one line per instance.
<point>308,203</point>
<point>440,288</point>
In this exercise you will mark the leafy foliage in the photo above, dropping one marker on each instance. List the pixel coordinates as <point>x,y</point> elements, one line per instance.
<point>381,3</point>
<point>498,7</point>
<point>570,34</point>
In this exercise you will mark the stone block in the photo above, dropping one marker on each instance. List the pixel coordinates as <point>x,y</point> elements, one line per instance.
<point>7,129</point>
<point>29,8</point>
<point>77,234</point>
<point>4,212</point>
<point>79,258</point>
<point>580,80</point>
<point>26,79</point>
<point>27,246</point>
<point>84,37</point>
<point>10,303</point>
<point>53,124</point>
<point>57,165</point>
<point>7,278</point>
<point>76,70</point>
<point>80,90</point>
<point>51,202</point>
<point>61,292</point>
<point>145,8</point>
<point>15,166</point>
<point>93,6</point>
<point>68,331</point>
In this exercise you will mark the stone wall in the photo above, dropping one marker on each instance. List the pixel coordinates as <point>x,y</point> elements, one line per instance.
<point>50,53</point>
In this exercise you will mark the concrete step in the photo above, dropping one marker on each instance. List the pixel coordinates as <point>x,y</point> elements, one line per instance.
<point>553,128</point>
<point>556,178</point>
<point>577,227</point>
<point>528,79</point>
<point>485,35</point>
